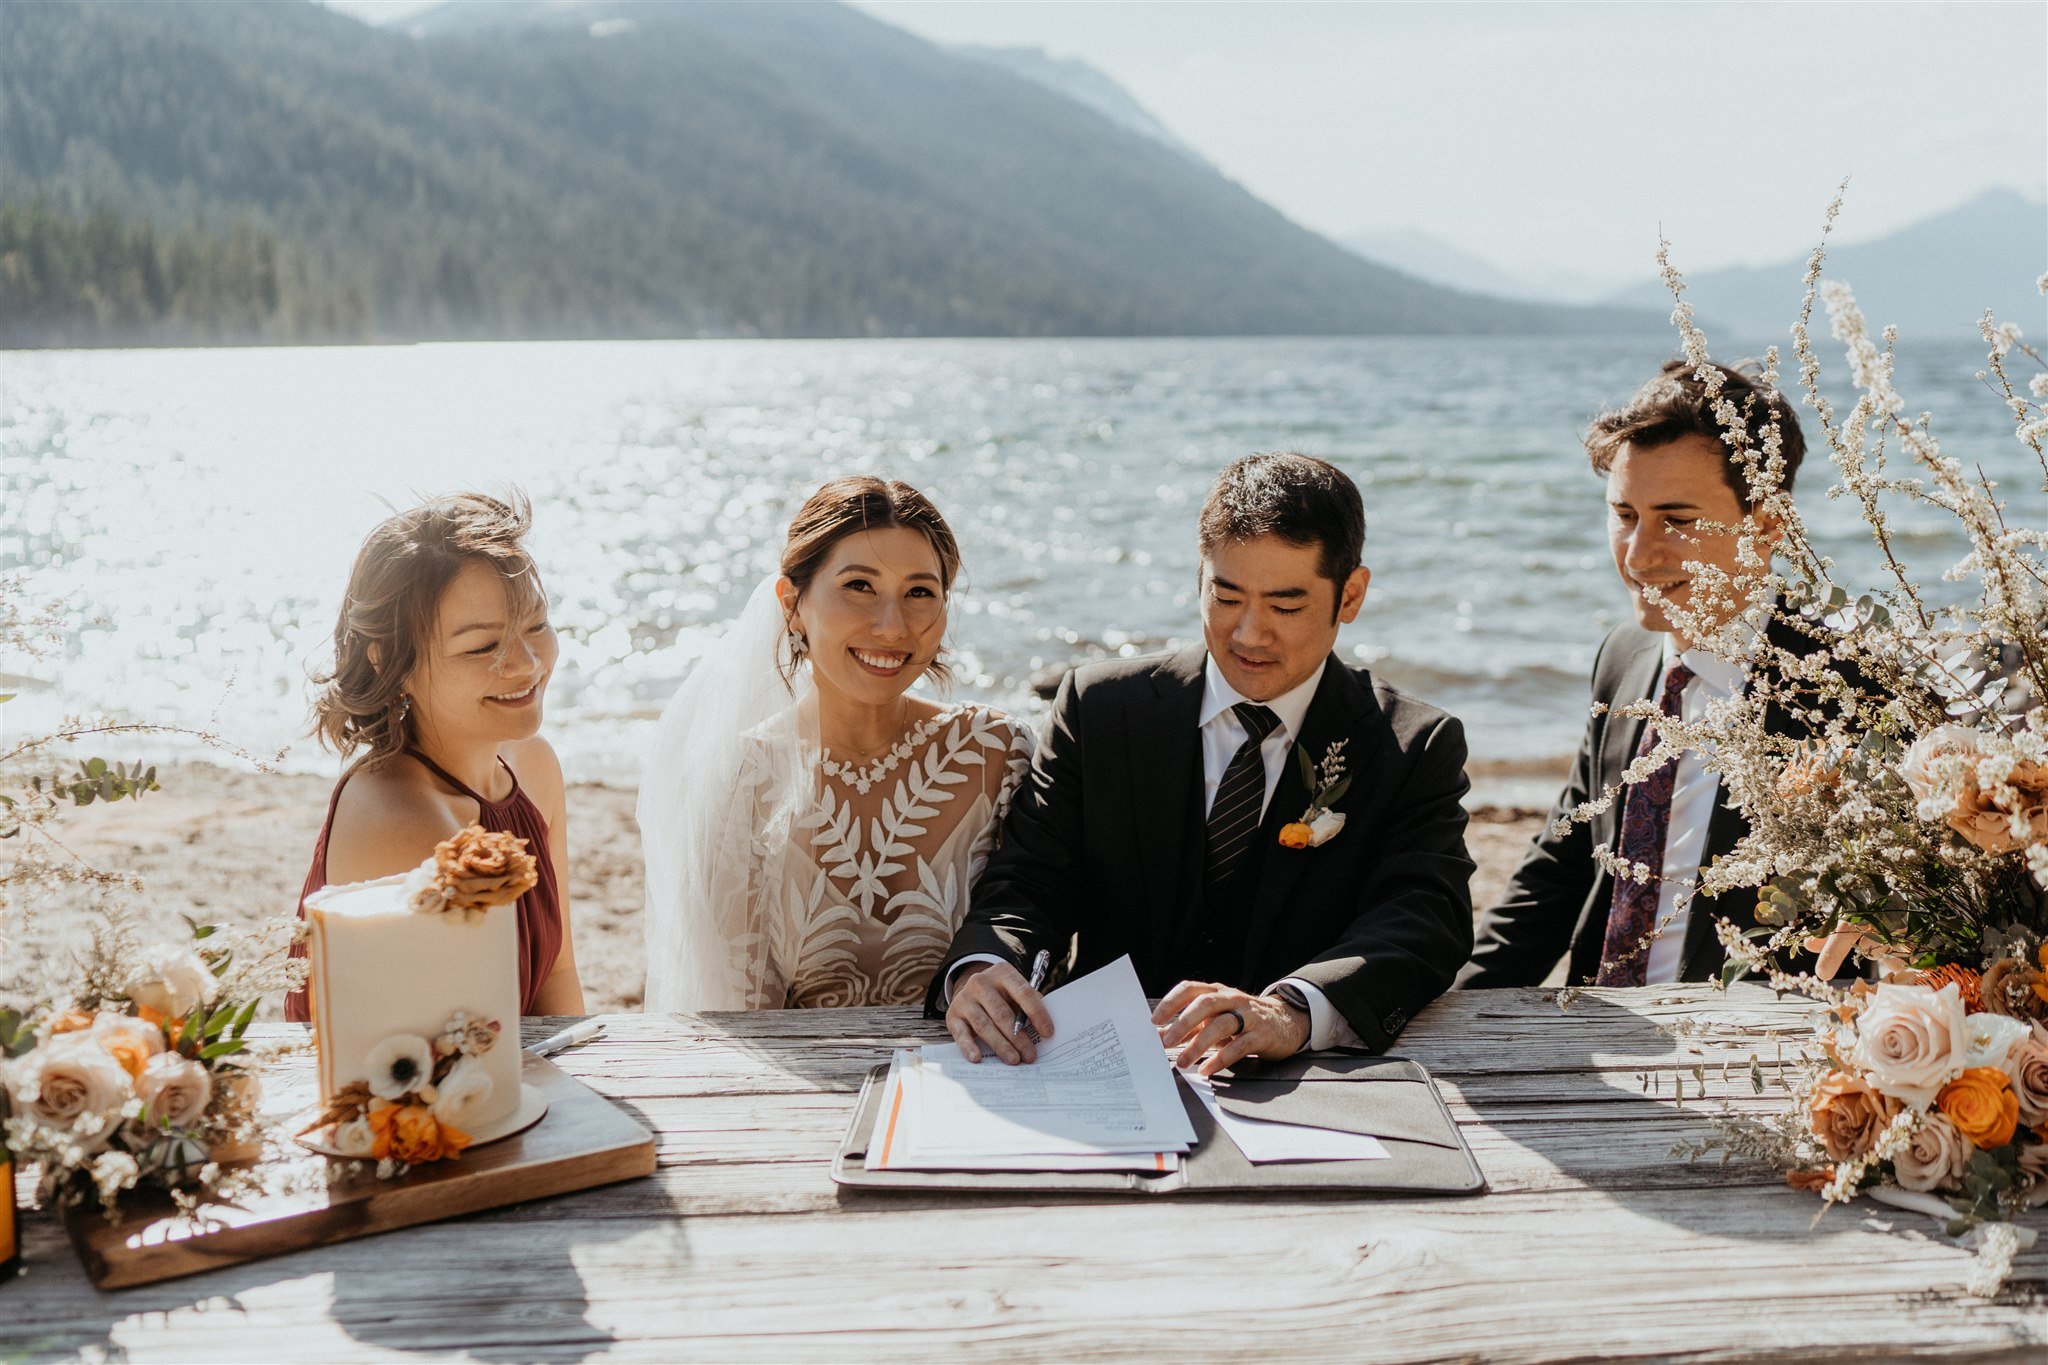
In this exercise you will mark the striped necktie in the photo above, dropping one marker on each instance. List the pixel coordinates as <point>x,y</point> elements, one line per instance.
<point>1645,820</point>
<point>1240,803</point>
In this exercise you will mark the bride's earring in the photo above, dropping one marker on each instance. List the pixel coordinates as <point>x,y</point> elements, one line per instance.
<point>798,647</point>
<point>404,706</point>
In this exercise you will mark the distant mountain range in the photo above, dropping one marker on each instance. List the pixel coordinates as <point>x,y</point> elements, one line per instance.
<point>1933,279</point>
<point>530,169</point>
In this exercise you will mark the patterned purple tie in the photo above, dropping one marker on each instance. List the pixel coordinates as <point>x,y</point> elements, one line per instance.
<point>1645,819</point>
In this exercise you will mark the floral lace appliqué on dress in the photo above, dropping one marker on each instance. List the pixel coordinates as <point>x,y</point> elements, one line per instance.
<point>859,904</point>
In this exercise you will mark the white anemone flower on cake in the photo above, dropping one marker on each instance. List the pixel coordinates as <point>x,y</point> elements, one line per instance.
<point>399,1065</point>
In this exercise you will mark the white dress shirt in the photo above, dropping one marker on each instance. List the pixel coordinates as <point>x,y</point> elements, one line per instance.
<point>1222,735</point>
<point>1694,794</point>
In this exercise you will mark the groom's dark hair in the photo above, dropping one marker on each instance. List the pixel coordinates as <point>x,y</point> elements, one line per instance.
<point>1300,499</point>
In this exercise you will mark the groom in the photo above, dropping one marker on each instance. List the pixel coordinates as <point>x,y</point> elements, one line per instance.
<point>1166,803</point>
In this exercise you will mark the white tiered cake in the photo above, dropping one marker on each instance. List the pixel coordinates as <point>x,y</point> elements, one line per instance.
<point>414,987</point>
<point>380,969</point>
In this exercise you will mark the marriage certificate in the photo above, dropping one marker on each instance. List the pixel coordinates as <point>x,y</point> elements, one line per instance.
<point>1101,1092</point>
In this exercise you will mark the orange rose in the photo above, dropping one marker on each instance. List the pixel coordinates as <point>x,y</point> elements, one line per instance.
<point>1847,1114</point>
<point>132,1056</point>
<point>67,1021</point>
<point>479,869</point>
<point>1810,1180</point>
<point>1295,835</point>
<point>410,1133</point>
<point>1982,1106</point>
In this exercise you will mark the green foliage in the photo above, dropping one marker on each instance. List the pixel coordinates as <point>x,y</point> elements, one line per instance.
<point>82,276</point>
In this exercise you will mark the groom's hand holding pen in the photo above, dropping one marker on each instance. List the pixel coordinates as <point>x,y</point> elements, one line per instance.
<point>994,1009</point>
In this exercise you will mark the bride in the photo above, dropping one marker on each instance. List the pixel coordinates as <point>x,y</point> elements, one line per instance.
<point>812,828</point>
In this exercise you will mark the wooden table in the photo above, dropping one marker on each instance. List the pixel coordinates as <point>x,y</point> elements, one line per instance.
<point>1593,1241</point>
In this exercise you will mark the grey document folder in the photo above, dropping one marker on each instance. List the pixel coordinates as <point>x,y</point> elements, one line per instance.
<point>1390,1098</point>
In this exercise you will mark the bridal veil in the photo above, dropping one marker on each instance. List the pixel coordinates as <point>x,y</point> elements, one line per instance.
<point>732,763</point>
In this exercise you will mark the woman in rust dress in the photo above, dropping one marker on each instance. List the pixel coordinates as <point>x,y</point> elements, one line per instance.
<point>442,655</point>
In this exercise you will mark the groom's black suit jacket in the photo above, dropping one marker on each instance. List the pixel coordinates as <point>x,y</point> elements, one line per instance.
<point>1103,848</point>
<point>1557,902</point>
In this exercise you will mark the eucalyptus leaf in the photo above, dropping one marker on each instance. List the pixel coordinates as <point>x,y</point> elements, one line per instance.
<point>224,1048</point>
<point>242,1020</point>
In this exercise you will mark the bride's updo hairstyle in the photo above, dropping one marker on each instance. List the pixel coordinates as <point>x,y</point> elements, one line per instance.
<point>861,502</point>
<point>386,624</point>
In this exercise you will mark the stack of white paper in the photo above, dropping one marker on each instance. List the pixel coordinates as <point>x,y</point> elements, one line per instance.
<point>1100,1097</point>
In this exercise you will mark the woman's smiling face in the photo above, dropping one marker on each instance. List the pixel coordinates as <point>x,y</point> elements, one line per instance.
<point>874,616</point>
<point>485,668</point>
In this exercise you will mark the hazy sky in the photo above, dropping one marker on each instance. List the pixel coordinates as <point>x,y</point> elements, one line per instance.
<point>1554,139</point>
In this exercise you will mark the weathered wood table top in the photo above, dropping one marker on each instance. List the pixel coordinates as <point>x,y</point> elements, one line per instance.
<point>1592,1242</point>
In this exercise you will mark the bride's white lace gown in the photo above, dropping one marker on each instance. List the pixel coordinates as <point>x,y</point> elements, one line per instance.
<point>853,898</point>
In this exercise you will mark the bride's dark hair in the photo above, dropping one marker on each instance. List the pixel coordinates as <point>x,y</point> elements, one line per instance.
<point>387,618</point>
<point>861,502</point>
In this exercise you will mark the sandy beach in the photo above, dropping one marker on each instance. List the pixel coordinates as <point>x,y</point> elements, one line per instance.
<point>228,846</point>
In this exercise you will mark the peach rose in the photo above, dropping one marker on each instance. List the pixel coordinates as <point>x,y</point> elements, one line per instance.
<point>2010,986</point>
<point>1935,1157</point>
<point>479,869</point>
<point>1983,824</point>
<point>1910,1040</point>
<point>1847,1114</point>
<point>1982,1106</point>
<point>2027,1066</point>
<point>73,1084</point>
<point>1810,1180</point>
<point>67,1021</point>
<point>1809,770</point>
<point>175,1090</point>
<point>128,1040</point>
<point>1937,758</point>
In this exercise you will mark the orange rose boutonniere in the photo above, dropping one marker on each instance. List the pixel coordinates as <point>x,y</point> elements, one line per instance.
<point>1982,1106</point>
<point>1327,784</point>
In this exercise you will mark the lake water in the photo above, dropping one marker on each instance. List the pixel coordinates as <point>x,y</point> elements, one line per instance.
<point>201,507</point>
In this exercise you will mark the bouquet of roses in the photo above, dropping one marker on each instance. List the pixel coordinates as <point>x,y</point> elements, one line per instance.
<point>137,1080</point>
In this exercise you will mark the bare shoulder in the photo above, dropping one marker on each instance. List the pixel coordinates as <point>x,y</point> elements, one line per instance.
<point>539,770</point>
<point>387,821</point>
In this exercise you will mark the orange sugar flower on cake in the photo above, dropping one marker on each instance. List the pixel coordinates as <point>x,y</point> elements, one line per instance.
<point>1982,1106</point>
<point>410,1133</point>
<point>480,868</point>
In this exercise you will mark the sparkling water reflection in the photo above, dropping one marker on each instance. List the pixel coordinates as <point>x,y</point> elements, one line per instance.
<point>203,506</point>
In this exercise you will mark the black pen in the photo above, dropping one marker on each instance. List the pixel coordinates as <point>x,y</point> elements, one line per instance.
<point>1038,967</point>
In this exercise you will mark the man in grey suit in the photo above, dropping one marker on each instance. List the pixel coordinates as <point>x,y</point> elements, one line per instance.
<point>1675,493</point>
<point>1171,813</point>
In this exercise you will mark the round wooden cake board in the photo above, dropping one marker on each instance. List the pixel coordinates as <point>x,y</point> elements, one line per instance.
<point>533,1107</point>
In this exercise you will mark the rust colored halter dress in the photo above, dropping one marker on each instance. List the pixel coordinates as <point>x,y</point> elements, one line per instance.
<point>540,910</point>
